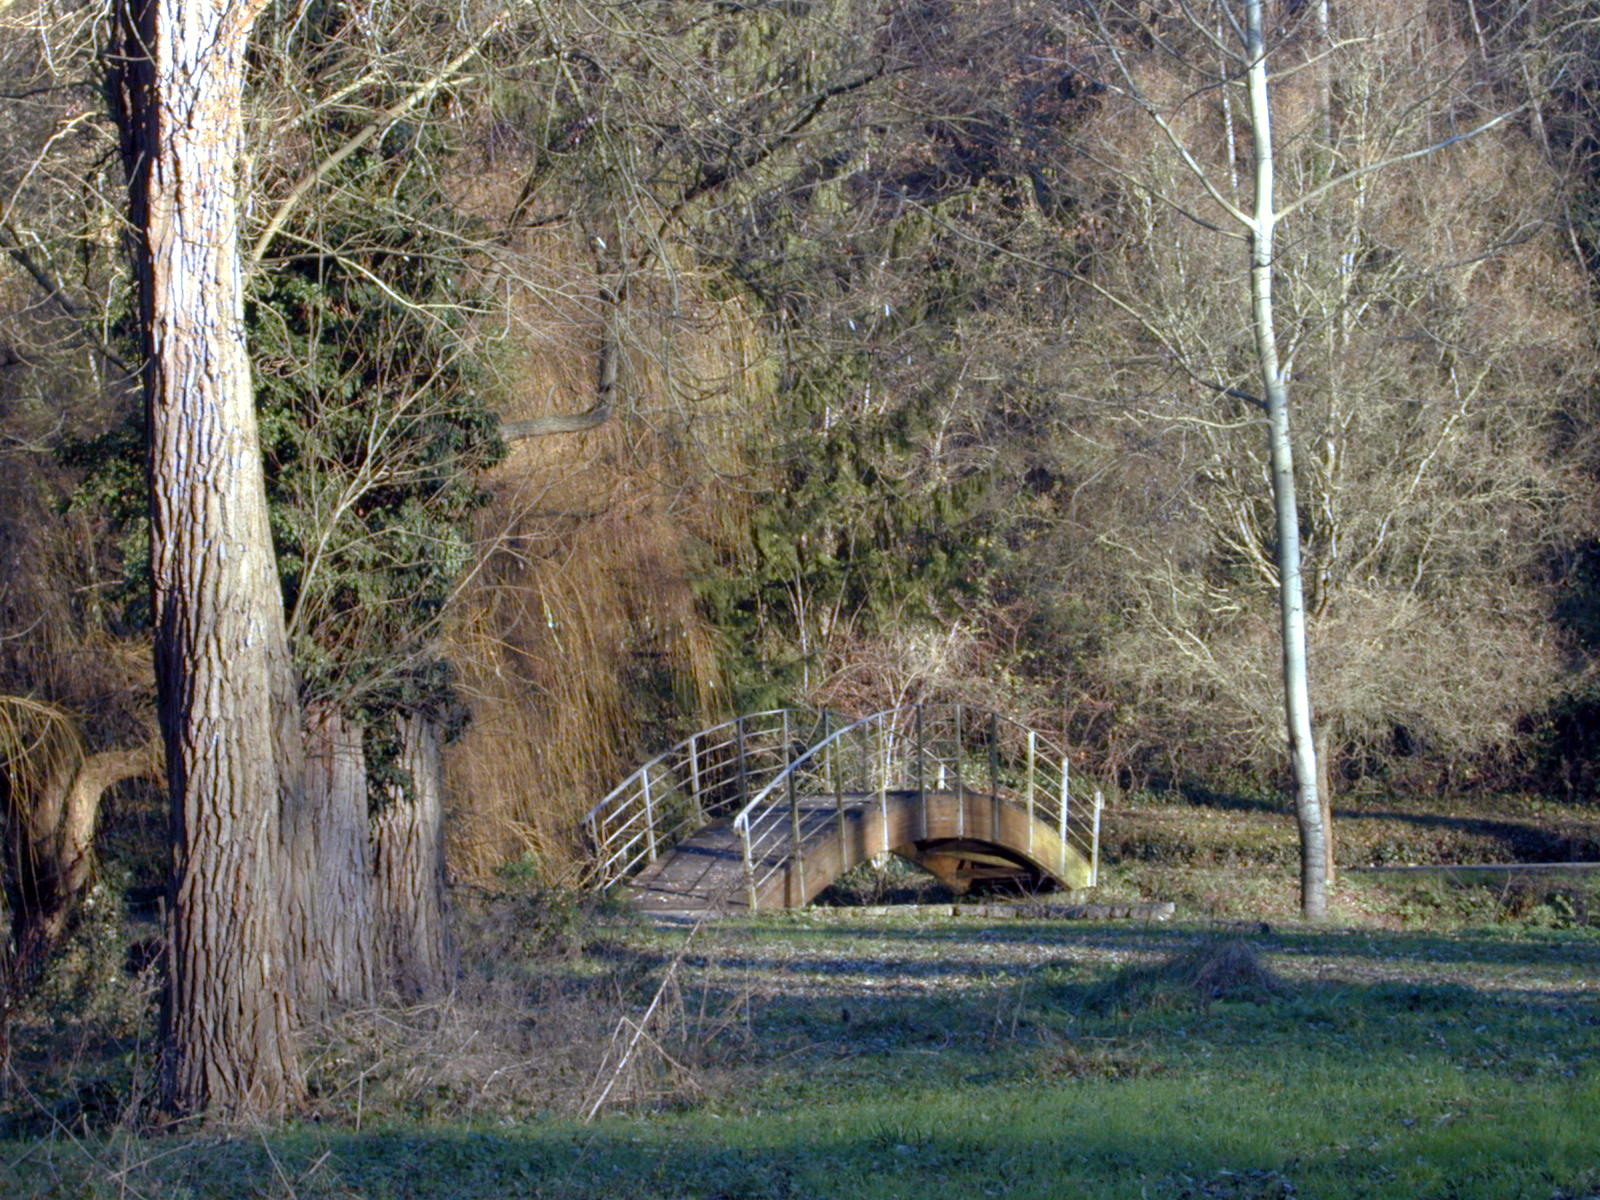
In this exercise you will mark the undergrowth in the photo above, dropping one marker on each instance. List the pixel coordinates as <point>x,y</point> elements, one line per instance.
<point>1193,978</point>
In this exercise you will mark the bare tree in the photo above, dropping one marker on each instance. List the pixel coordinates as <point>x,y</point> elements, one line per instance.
<point>1206,351</point>
<point>1262,222</point>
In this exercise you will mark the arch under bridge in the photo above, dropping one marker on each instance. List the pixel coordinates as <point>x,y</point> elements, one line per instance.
<point>766,810</point>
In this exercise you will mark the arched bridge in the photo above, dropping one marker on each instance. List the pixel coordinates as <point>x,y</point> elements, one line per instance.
<point>766,810</point>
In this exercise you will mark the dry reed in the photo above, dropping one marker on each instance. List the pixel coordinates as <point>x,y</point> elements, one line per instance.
<point>579,639</point>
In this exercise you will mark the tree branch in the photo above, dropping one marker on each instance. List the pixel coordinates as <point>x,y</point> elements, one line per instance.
<point>365,134</point>
<point>1225,390</point>
<point>714,177</point>
<point>605,391</point>
<point>513,431</point>
<point>69,307</point>
<point>1394,160</point>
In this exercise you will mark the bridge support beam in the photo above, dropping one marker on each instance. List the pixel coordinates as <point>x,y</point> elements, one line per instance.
<point>935,830</point>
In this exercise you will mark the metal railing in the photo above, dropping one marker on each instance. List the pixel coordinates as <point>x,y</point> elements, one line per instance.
<point>922,749</point>
<point>785,775</point>
<point>707,776</point>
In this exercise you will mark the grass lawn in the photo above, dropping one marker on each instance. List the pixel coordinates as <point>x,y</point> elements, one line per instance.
<point>818,1055</point>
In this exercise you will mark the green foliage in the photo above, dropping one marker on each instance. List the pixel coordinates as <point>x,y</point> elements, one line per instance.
<point>853,532</point>
<point>88,979</point>
<point>115,488</point>
<point>878,504</point>
<point>374,432</point>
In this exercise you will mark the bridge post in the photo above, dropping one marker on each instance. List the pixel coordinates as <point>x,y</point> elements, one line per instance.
<point>1033,747</point>
<point>1094,846</point>
<point>922,772</point>
<point>994,776</point>
<point>739,761</point>
<point>836,781</point>
<point>883,780</point>
<point>960,783</point>
<point>797,868</point>
<point>1064,795</point>
<point>827,753</point>
<point>694,775</point>
<point>649,816</point>
<point>749,865</point>
<point>961,789</point>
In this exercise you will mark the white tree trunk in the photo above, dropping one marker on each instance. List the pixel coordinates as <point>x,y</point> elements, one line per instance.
<point>1291,599</point>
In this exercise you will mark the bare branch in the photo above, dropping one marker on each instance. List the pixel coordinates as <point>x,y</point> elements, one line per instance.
<point>69,307</point>
<point>1394,160</point>
<point>513,431</point>
<point>365,134</point>
<point>1134,93</point>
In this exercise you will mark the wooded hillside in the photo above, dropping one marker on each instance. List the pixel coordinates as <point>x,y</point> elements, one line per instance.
<point>618,369</point>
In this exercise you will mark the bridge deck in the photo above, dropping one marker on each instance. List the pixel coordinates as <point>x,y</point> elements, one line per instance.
<point>707,871</point>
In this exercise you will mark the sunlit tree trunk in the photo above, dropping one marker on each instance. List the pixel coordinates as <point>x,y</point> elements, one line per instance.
<point>327,875</point>
<point>224,677</point>
<point>409,852</point>
<point>1275,391</point>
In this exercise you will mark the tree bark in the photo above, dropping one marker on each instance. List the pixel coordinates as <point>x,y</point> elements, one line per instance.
<point>1291,598</point>
<point>328,874</point>
<point>223,672</point>
<point>409,853</point>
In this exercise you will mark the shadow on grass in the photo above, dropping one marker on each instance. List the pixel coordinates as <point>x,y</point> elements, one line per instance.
<point>1527,840</point>
<point>1247,1138</point>
<point>1514,946</point>
<point>933,1071</point>
<point>1524,841</point>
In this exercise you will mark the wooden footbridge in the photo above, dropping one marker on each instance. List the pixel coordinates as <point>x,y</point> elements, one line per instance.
<point>766,810</point>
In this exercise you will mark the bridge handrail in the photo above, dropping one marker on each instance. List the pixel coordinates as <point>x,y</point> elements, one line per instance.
<point>759,823</point>
<point>669,796</point>
<point>760,827</point>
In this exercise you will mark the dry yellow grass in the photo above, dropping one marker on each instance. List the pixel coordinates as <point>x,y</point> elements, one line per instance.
<point>582,615</point>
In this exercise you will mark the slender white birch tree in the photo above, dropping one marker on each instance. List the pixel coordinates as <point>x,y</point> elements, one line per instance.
<point>1223,50</point>
<point>1262,224</point>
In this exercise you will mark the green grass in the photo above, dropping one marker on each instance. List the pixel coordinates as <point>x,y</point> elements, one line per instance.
<point>816,1056</point>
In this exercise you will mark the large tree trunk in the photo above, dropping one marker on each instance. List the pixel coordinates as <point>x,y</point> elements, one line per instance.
<point>1292,608</point>
<point>223,672</point>
<point>409,839</point>
<point>328,878</point>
